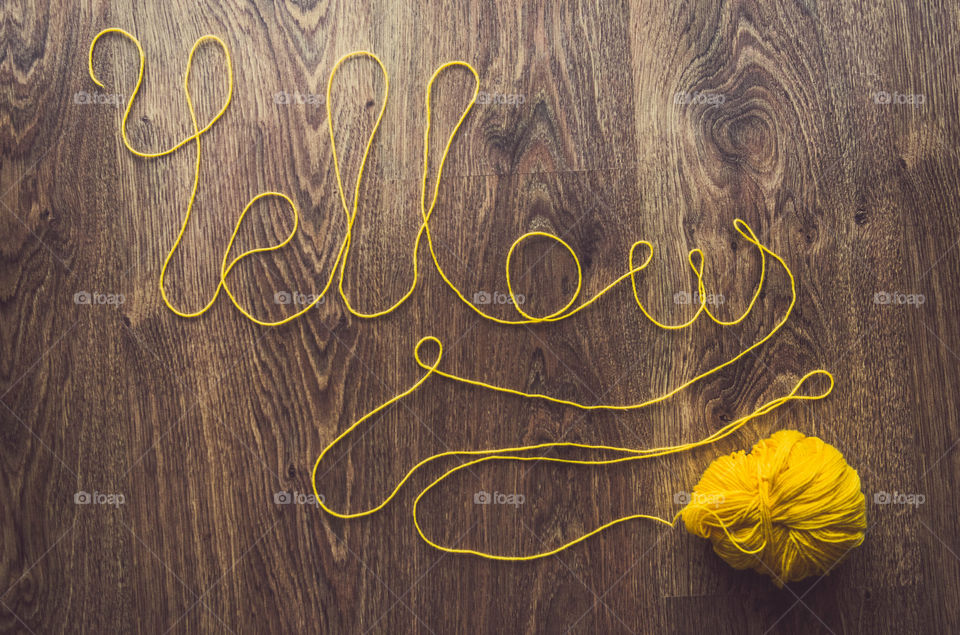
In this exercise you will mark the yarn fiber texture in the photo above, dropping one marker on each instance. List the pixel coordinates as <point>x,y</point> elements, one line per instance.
<point>791,508</point>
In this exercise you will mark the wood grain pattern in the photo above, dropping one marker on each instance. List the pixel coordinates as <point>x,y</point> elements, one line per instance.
<point>199,423</point>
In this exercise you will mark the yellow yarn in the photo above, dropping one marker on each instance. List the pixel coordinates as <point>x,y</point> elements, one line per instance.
<point>351,208</point>
<point>807,535</point>
<point>791,508</point>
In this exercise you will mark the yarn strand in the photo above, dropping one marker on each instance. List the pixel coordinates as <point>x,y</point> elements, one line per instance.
<point>350,207</point>
<point>695,257</point>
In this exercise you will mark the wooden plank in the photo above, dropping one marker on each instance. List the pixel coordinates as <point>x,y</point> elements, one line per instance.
<point>605,124</point>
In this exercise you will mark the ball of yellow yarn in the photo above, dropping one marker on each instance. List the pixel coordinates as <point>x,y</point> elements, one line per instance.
<point>792,501</point>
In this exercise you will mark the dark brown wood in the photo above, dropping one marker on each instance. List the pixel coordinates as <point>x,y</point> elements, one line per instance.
<point>199,423</point>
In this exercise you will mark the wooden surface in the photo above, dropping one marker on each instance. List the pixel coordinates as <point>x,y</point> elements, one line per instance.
<point>199,423</point>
